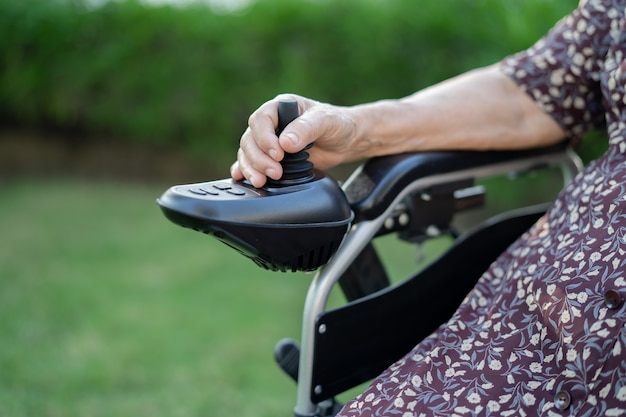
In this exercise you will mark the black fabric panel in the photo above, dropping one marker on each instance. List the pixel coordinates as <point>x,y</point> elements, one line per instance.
<point>364,337</point>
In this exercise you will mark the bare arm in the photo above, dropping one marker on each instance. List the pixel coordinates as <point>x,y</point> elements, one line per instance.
<point>479,110</point>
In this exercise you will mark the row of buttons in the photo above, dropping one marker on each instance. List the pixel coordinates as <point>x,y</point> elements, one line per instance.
<point>216,189</point>
<point>612,300</point>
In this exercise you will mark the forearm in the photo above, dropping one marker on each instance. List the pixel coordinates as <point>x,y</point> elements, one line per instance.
<point>480,110</point>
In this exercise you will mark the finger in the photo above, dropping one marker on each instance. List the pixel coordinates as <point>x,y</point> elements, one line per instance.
<point>255,157</point>
<point>241,170</point>
<point>262,129</point>
<point>306,129</point>
<point>235,172</point>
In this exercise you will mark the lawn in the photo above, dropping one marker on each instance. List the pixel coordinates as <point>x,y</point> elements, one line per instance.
<point>107,309</point>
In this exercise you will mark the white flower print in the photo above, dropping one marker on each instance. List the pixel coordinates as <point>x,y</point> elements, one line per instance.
<point>529,399</point>
<point>473,398</point>
<point>493,406</point>
<point>495,364</point>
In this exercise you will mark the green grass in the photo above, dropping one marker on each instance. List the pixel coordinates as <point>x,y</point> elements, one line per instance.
<point>107,309</point>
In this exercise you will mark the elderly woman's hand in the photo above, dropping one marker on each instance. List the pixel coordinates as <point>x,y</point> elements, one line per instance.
<point>332,128</point>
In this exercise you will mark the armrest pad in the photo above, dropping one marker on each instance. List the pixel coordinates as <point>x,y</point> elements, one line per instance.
<point>376,183</point>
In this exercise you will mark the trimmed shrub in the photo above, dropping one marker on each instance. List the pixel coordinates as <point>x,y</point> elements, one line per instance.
<point>190,76</point>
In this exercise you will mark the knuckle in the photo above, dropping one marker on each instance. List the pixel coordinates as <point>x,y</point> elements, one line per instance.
<point>252,120</point>
<point>285,96</point>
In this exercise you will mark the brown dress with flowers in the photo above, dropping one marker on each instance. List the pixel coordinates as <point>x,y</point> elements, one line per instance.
<point>543,332</point>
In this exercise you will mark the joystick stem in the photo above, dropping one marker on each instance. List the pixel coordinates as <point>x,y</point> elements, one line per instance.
<point>287,112</point>
<point>296,167</point>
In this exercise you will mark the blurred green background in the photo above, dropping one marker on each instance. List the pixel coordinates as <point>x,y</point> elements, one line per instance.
<point>106,309</point>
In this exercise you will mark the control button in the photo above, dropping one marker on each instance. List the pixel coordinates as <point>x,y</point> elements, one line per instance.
<point>612,299</point>
<point>222,186</point>
<point>209,191</point>
<point>235,191</point>
<point>198,191</point>
<point>562,400</point>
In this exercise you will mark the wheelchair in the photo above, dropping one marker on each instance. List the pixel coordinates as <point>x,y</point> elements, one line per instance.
<point>309,222</point>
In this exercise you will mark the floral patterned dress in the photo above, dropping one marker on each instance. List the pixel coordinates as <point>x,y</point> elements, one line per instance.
<point>543,332</point>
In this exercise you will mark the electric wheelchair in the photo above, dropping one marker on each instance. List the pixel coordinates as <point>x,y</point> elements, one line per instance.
<point>307,221</point>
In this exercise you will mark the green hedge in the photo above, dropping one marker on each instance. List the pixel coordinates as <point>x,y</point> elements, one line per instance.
<point>190,76</point>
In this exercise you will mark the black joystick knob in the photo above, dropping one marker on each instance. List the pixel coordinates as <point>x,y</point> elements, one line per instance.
<point>296,167</point>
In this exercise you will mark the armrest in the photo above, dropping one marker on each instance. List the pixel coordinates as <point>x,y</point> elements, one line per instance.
<point>378,182</point>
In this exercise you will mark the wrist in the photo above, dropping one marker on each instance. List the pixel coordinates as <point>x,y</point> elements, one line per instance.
<point>383,127</point>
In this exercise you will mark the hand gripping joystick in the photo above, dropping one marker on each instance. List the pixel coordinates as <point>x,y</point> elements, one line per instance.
<point>296,167</point>
<point>295,223</point>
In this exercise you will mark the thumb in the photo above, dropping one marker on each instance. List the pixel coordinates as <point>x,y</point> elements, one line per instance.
<point>306,129</point>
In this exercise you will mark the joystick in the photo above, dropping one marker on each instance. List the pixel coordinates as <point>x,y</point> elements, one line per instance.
<point>294,223</point>
<point>296,167</point>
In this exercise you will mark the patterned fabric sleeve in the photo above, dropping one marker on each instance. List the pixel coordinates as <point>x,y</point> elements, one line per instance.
<point>561,72</point>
